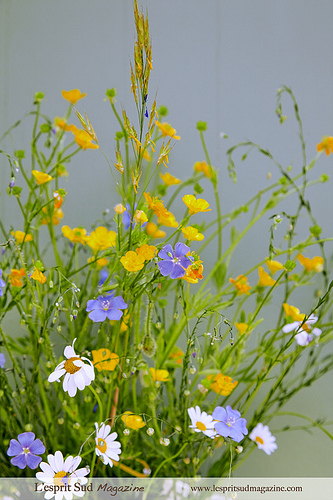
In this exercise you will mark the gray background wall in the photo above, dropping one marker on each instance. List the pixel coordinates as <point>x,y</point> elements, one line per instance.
<point>214,60</point>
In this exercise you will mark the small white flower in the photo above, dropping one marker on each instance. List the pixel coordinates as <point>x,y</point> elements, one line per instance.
<point>201,422</point>
<point>264,439</point>
<point>305,335</point>
<point>62,472</point>
<point>106,446</point>
<point>78,373</point>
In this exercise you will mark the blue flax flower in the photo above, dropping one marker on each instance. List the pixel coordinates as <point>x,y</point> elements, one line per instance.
<point>106,306</point>
<point>2,283</point>
<point>25,450</point>
<point>2,360</point>
<point>174,263</point>
<point>230,424</point>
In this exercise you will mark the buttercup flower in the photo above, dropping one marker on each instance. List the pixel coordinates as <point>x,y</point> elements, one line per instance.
<point>221,384</point>
<point>75,235</point>
<point>192,234</point>
<point>146,251</point>
<point>37,275</point>
<point>174,263</point>
<point>132,421</point>
<point>264,278</point>
<point>242,328</point>
<point>167,130</point>
<point>99,263</point>
<point>15,277</point>
<point>2,283</point>
<point>77,373</point>
<point>202,166</point>
<point>21,236</point>
<point>60,472</point>
<point>84,140</point>
<point>127,218</point>
<point>119,209</point>
<point>168,219</point>
<point>41,177</point>
<point>106,447</point>
<point>154,232</point>
<point>230,424</point>
<point>262,436</point>
<point>314,264</point>
<point>101,239</point>
<point>201,421</point>
<point>132,261</point>
<point>195,205</point>
<point>169,180</point>
<point>106,306</point>
<point>72,95</point>
<point>140,217</point>
<point>25,451</point>
<point>241,284</point>
<point>159,375</point>
<point>292,312</point>
<point>326,145</point>
<point>156,205</point>
<point>194,272</point>
<point>274,266</point>
<point>104,359</point>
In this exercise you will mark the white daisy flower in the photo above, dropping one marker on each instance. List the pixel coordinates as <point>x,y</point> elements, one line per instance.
<point>78,373</point>
<point>106,446</point>
<point>262,436</point>
<point>305,335</point>
<point>201,422</point>
<point>62,472</point>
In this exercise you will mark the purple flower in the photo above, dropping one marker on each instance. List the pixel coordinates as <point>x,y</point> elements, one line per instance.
<point>174,263</point>
<point>2,283</point>
<point>106,306</point>
<point>2,360</point>
<point>25,450</point>
<point>103,275</point>
<point>230,424</point>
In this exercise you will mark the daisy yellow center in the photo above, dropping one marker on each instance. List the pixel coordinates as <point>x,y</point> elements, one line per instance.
<point>59,476</point>
<point>201,426</point>
<point>70,367</point>
<point>259,440</point>
<point>102,446</point>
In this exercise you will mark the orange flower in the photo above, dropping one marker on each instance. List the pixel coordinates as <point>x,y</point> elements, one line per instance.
<point>15,277</point>
<point>221,384</point>
<point>20,236</point>
<point>314,264</point>
<point>72,95</point>
<point>241,284</point>
<point>167,130</point>
<point>194,272</point>
<point>57,215</point>
<point>146,251</point>
<point>75,235</point>
<point>132,262</point>
<point>195,205</point>
<point>104,359</point>
<point>154,232</point>
<point>37,275</point>
<point>326,144</point>
<point>264,278</point>
<point>155,205</point>
<point>41,177</point>
<point>274,265</point>
<point>169,180</point>
<point>101,239</point>
<point>83,139</point>
<point>177,354</point>
<point>202,166</point>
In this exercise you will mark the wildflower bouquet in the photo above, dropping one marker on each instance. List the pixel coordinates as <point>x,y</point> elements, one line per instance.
<point>132,354</point>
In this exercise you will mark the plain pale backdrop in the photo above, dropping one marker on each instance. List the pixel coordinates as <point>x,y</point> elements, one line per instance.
<point>218,61</point>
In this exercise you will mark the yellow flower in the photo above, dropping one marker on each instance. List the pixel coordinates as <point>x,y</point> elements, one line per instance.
<point>192,234</point>
<point>202,166</point>
<point>241,284</point>
<point>195,205</point>
<point>140,217</point>
<point>41,177</point>
<point>292,313</point>
<point>177,354</point>
<point>167,130</point>
<point>159,375</point>
<point>83,139</point>
<point>156,205</point>
<point>104,359</point>
<point>132,421</point>
<point>326,144</point>
<point>99,263</point>
<point>242,328</point>
<point>119,209</point>
<point>72,95</point>
<point>274,265</point>
<point>20,236</point>
<point>169,180</point>
<point>314,264</point>
<point>221,384</point>
<point>57,215</point>
<point>146,251</point>
<point>37,275</point>
<point>75,235</point>
<point>194,272</point>
<point>132,261</point>
<point>101,239</point>
<point>154,232</point>
<point>62,124</point>
<point>264,278</point>
<point>167,219</point>
<point>15,277</point>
